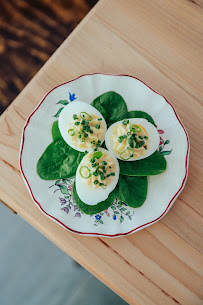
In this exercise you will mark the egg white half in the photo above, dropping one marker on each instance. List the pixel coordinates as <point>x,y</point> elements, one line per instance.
<point>66,117</point>
<point>94,196</point>
<point>153,138</point>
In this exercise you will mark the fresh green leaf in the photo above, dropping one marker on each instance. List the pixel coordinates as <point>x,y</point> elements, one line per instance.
<point>112,106</point>
<point>55,131</point>
<point>92,209</point>
<point>117,194</point>
<point>64,102</point>
<point>58,112</point>
<point>133,190</point>
<point>166,152</point>
<point>152,165</point>
<point>140,114</point>
<point>59,161</point>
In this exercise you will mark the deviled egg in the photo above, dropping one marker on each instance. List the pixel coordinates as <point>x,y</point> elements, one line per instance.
<point>97,176</point>
<point>132,139</point>
<point>82,126</point>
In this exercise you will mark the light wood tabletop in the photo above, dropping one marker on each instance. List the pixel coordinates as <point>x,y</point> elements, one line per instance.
<point>159,42</point>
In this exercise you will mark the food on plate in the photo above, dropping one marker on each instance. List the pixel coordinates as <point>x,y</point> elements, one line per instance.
<point>100,178</point>
<point>132,139</point>
<point>97,176</point>
<point>82,126</point>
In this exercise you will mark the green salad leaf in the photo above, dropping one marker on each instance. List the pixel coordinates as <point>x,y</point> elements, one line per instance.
<point>140,114</point>
<point>132,190</point>
<point>92,209</point>
<point>55,131</point>
<point>112,106</point>
<point>150,166</point>
<point>59,161</point>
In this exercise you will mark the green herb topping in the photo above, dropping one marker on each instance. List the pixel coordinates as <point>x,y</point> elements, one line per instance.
<point>85,172</point>
<point>71,132</point>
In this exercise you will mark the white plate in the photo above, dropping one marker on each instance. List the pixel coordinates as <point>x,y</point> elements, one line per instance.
<point>55,199</point>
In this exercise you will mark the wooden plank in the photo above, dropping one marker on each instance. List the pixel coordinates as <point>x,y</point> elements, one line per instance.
<point>158,42</point>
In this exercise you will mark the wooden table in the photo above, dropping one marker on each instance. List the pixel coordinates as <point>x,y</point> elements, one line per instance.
<point>158,42</point>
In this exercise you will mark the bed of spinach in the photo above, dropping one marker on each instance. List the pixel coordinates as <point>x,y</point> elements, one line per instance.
<point>152,165</point>
<point>92,209</point>
<point>60,161</point>
<point>112,106</point>
<point>132,190</point>
<point>140,114</point>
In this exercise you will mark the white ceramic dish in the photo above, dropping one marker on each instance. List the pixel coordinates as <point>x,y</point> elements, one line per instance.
<point>55,199</point>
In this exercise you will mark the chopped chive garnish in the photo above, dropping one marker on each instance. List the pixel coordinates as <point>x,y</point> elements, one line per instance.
<point>100,119</point>
<point>126,154</point>
<point>136,145</point>
<point>85,135</point>
<point>75,117</point>
<point>146,137</point>
<point>128,133</point>
<point>86,152</point>
<point>109,166</point>
<point>103,167</point>
<point>102,177</point>
<point>104,186</point>
<point>82,139</point>
<point>107,176</point>
<point>97,126</point>
<point>79,136</point>
<point>91,131</point>
<point>95,174</point>
<point>112,174</point>
<point>95,149</point>
<point>135,128</point>
<point>92,160</point>
<point>86,116</point>
<point>96,181</point>
<point>125,122</point>
<point>104,162</point>
<point>83,127</point>
<point>120,140</point>
<point>83,122</point>
<point>131,145</point>
<point>85,172</point>
<point>125,136</point>
<point>97,154</point>
<point>140,137</point>
<point>71,132</point>
<point>77,123</point>
<point>104,171</point>
<point>145,147</point>
<point>92,142</point>
<point>87,128</point>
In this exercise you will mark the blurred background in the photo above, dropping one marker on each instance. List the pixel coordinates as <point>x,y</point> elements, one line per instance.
<point>33,271</point>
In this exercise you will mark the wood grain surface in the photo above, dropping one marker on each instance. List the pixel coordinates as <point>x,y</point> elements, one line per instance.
<point>30,31</point>
<point>159,42</point>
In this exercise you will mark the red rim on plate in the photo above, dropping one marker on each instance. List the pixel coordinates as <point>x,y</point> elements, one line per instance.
<point>100,234</point>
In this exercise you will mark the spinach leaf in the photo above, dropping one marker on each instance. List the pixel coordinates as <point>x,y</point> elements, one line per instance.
<point>133,190</point>
<point>59,161</point>
<point>55,131</point>
<point>140,114</point>
<point>152,165</point>
<point>112,106</point>
<point>92,209</point>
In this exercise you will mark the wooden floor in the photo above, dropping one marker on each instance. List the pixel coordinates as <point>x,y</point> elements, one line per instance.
<point>30,31</point>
